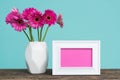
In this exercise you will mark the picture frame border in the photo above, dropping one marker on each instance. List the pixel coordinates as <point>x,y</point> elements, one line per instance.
<point>58,70</point>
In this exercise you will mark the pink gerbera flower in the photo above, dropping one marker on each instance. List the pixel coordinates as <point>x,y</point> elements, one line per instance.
<point>60,20</point>
<point>35,19</point>
<point>15,19</point>
<point>27,12</point>
<point>49,17</point>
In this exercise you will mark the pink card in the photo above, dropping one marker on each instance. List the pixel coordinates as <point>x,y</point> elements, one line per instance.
<point>76,57</point>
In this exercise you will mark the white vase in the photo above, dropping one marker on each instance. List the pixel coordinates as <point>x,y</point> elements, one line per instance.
<point>36,57</point>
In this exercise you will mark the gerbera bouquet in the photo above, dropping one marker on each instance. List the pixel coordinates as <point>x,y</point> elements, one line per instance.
<point>30,19</point>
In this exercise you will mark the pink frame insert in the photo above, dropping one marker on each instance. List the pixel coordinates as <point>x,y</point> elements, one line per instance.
<point>76,57</point>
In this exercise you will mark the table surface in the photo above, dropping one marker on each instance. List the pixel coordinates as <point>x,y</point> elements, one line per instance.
<point>23,74</point>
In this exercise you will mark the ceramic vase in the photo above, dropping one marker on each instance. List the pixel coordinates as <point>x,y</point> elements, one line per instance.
<point>36,57</point>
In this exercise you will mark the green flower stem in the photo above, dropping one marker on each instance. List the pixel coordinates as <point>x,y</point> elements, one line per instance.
<point>30,31</point>
<point>40,34</point>
<point>26,35</point>
<point>45,33</point>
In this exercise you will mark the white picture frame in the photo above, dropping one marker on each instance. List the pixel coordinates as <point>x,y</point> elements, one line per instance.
<point>93,44</point>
